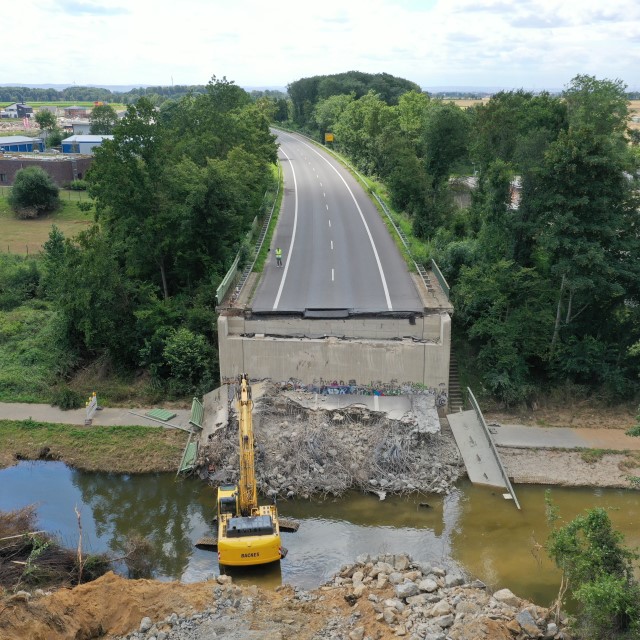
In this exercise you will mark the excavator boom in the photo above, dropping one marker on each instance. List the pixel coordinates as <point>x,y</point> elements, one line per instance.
<point>248,534</point>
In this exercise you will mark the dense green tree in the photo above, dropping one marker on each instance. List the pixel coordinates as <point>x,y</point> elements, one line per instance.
<point>445,138</point>
<point>46,120</point>
<point>506,311</point>
<point>103,119</point>
<point>600,574</point>
<point>307,92</point>
<point>599,104</point>
<point>328,111</point>
<point>33,193</point>
<point>502,128</point>
<point>95,298</point>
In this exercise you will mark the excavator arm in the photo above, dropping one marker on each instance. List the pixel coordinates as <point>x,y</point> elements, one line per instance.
<point>248,493</point>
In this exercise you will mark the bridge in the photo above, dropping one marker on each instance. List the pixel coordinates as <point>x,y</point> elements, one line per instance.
<point>343,307</point>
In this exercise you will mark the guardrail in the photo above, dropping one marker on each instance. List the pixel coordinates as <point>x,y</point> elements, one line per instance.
<point>232,274</point>
<point>441,279</point>
<point>487,433</point>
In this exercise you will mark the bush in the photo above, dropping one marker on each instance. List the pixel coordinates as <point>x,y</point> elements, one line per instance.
<point>190,361</point>
<point>34,191</point>
<point>78,185</point>
<point>599,573</point>
<point>67,398</point>
<point>85,207</point>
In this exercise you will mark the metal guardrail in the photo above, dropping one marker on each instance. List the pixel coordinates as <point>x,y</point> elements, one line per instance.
<point>221,291</point>
<point>441,279</point>
<point>232,274</point>
<point>197,413</point>
<point>487,433</point>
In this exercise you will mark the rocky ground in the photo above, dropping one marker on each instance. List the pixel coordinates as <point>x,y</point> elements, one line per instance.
<point>376,598</point>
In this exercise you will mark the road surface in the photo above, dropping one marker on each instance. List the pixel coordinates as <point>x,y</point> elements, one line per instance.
<point>337,253</point>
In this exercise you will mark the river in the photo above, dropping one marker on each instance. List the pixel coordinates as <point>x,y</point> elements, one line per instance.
<point>473,527</point>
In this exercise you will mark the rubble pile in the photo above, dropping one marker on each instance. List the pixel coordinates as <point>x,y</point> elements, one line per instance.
<point>375,598</point>
<point>302,451</point>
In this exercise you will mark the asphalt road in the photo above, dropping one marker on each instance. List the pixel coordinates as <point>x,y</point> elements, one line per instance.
<point>337,252</point>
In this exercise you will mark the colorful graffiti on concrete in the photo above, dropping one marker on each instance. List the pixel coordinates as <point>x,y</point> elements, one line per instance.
<point>351,387</point>
<point>392,388</point>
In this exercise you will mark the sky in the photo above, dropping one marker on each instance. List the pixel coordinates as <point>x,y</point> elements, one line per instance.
<point>531,44</point>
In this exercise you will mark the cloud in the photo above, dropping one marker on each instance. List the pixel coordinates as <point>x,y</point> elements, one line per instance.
<point>78,8</point>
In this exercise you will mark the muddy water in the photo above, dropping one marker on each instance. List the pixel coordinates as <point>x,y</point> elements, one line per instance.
<point>474,528</point>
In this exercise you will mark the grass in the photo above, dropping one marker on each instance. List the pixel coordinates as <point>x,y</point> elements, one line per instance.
<point>29,359</point>
<point>28,236</point>
<point>266,245</point>
<point>591,456</point>
<point>133,449</point>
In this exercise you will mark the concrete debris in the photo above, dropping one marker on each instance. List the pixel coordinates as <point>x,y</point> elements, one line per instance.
<point>354,606</point>
<point>309,444</point>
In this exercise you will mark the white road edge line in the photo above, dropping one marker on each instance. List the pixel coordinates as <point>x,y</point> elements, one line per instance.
<point>366,226</point>
<point>293,233</point>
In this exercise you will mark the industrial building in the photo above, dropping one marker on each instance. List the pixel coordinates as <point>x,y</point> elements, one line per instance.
<point>20,144</point>
<point>83,143</point>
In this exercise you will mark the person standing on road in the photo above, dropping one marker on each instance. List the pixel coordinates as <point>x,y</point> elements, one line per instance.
<point>278,257</point>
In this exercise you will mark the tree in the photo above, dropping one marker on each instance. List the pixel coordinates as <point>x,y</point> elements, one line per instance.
<point>601,104</point>
<point>103,119</point>
<point>445,138</point>
<point>46,120</point>
<point>33,193</point>
<point>599,573</point>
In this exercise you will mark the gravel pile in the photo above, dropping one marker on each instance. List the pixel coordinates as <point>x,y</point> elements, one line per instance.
<point>377,597</point>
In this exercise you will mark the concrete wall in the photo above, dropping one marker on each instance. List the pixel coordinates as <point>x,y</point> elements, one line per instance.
<point>375,355</point>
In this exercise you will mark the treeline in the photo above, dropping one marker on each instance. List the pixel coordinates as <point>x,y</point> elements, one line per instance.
<point>306,93</point>
<point>175,192</point>
<point>544,263</point>
<point>156,95</point>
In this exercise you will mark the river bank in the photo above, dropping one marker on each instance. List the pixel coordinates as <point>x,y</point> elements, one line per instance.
<point>381,597</point>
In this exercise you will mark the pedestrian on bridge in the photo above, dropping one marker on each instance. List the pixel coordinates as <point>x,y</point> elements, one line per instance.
<point>278,257</point>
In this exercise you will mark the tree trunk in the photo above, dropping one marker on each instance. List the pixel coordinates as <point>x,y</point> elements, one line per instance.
<point>569,305</point>
<point>556,329</point>
<point>165,288</point>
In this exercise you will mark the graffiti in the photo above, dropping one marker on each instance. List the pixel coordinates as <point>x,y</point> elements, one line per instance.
<point>392,388</point>
<point>351,387</point>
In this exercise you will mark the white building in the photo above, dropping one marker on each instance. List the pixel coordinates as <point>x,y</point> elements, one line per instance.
<point>82,143</point>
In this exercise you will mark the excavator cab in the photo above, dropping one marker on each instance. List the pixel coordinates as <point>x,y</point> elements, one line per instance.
<point>227,500</point>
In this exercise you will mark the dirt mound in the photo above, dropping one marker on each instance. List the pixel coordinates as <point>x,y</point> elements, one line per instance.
<point>109,605</point>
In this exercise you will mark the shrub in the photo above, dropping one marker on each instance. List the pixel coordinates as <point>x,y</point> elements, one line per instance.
<point>78,185</point>
<point>67,398</point>
<point>34,191</point>
<point>599,573</point>
<point>190,361</point>
<point>85,207</point>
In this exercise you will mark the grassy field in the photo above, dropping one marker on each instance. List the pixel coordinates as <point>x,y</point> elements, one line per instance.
<point>61,105</point>
<point>115,449</point>
<point>28,236</point>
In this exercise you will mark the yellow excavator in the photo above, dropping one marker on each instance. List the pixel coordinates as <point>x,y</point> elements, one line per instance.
<point>248,534</point>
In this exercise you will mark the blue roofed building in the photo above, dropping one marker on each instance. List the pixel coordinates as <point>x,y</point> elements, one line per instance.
<point>10,144</point>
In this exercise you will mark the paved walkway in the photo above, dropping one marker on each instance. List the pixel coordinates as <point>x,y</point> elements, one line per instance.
<point>105,417</point>
<point>518,436</point>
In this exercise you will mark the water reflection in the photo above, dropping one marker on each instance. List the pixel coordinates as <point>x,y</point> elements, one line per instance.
<point>152,507</point>
<point>472,526</point>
